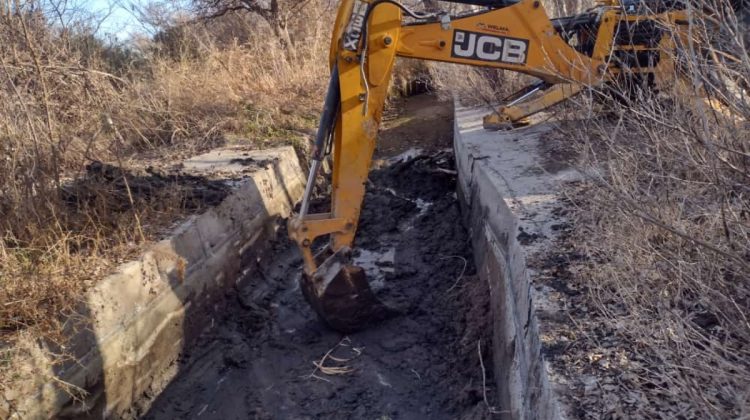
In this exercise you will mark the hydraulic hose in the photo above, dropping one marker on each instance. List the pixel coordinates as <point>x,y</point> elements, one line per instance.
<point>323,135</point>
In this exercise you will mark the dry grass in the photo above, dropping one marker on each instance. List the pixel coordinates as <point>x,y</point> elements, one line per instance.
<point>661,239</point>
<point>475,86</point>
<point>666,228</point>
<point>70,101</point>
<point>338,364</point>
<point>665,231</point>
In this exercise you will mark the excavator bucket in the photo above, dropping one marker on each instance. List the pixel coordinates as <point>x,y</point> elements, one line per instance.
<point>341,296</point>
<point>337,291</point>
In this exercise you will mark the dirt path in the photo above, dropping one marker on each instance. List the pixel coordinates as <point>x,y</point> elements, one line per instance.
<point>423,363</point>
<point>421,121</point>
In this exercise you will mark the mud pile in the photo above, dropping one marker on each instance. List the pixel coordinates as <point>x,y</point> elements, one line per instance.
<point>269,357</point>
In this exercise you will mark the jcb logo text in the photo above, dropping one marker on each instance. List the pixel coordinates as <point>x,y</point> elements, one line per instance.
<point>484,47</point>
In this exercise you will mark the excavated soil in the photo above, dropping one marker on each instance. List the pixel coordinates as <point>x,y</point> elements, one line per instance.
<point>269,357</point>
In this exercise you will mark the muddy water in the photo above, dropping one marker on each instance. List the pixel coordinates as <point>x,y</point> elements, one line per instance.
<point>259,360</point>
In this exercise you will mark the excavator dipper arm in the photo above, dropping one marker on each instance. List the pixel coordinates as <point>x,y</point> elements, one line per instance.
<point>367,38</point>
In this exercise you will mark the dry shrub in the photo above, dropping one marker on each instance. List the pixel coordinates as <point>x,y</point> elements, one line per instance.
<point>476,86</point>
<point>665,226</point>
<point>70,102</point>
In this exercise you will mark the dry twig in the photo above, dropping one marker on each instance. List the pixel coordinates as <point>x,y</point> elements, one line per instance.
<point>490,408</point>
<point>463,270</point>
<point>320,366</point>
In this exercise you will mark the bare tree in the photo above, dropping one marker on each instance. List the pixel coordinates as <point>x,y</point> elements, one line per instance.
<point>278,14</point>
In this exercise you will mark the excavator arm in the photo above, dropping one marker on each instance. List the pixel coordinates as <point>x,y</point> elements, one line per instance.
<point>367,37</point>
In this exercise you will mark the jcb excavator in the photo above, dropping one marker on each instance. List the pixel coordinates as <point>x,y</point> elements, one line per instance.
<point>616,41</point>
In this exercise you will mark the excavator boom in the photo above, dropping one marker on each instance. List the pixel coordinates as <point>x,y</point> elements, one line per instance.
<point>566,55</point>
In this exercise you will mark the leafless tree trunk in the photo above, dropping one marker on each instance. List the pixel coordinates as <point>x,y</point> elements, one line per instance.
<point>277,13</point>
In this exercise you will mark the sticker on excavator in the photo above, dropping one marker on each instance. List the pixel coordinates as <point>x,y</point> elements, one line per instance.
<point>356,24</point>
<point>486,47</point>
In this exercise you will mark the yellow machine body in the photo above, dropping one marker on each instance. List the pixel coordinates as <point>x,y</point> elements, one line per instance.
<point>521,37</point>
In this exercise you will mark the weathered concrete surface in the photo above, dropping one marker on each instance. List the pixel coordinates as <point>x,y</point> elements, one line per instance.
<point>149,310</point>
<point>508,196</point>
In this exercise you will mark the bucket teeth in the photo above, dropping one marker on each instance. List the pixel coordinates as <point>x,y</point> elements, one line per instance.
<point>342,297</point>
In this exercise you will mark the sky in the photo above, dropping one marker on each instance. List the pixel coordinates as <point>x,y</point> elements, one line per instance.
<point>119,17</point>
<point>116,21</point>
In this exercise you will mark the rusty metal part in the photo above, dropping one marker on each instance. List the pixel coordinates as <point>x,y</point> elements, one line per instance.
<point>341,296</point>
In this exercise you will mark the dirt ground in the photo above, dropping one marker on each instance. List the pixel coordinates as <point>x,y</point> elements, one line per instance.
<point>420,121</point>
<point>270,357</point>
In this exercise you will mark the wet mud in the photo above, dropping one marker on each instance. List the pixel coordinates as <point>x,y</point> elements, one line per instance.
<point>269,357</point>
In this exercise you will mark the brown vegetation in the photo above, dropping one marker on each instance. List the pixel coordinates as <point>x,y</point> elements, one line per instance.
<point>665,229</point>
<point>660,244</point>
<point>663,226</point>
<point>70,102</point>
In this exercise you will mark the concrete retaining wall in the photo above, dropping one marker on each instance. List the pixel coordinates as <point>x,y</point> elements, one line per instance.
<point>139,320</point>
<point>519,368</point>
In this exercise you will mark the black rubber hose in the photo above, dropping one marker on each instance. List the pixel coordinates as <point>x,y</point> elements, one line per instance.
<point>328,117</point>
